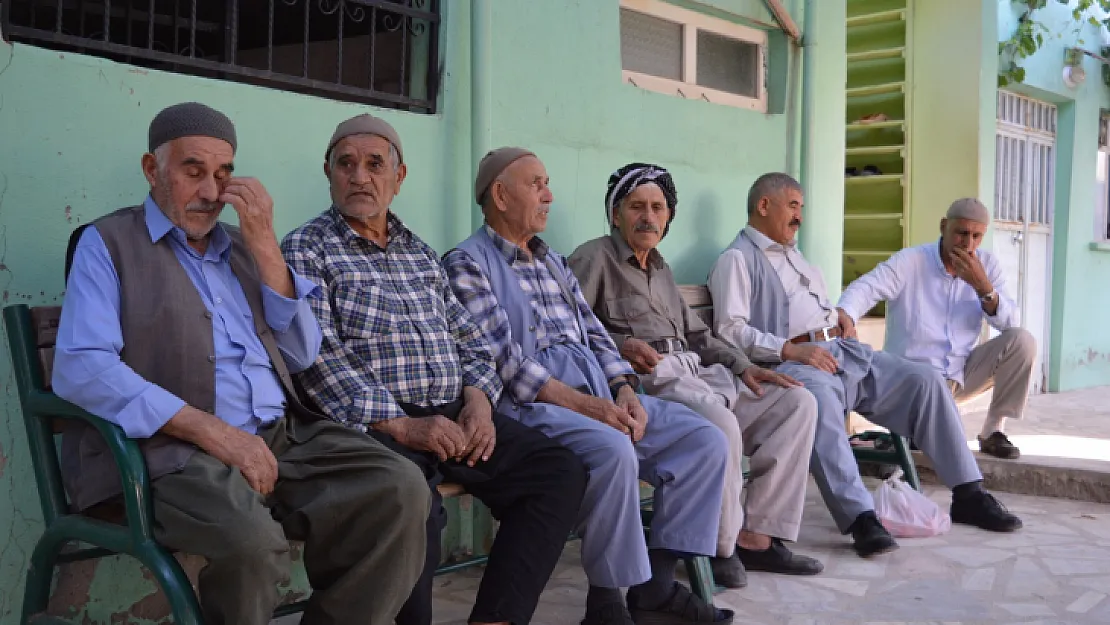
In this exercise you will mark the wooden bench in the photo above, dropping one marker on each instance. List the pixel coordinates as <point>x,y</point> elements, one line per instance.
<point>878,447</point>
<point>124,527</point>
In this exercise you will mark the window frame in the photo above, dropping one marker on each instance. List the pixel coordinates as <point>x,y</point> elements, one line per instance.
<point>1102,169</point>
<point>427,11</point>
<point>687,87</point>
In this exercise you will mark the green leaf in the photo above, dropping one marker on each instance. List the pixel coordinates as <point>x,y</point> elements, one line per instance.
<point>1093,21</point>
<point>1019,74</point>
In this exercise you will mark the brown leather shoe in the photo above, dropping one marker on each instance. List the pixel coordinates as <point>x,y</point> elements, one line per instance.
<point>999,446</point>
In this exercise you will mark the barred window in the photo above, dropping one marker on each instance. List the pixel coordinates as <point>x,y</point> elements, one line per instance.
<point>381,52</point>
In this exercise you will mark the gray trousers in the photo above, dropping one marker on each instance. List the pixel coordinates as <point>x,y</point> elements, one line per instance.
<point>681,454</point>
<point>775,430</point>
<point>908,398</point>
<point>359,507</point>
<point>1004,363</point>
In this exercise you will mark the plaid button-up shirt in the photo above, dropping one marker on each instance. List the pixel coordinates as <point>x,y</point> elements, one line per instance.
<point>393,330</point>
<point>523,376</point>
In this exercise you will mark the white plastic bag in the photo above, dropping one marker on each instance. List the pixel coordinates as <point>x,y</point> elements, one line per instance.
<point>906,513</point>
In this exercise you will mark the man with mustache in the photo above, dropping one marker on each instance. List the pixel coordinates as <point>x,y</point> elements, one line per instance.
<point>772,303</point>
<point>632,291</point>
<point>564,376</point>
<point>183,331</point>
<point>938,295</point>
<point>402,360</point>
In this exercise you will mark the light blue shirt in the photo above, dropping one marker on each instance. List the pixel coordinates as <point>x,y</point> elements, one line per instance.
<point>88,370</point>
<point>931,316</point>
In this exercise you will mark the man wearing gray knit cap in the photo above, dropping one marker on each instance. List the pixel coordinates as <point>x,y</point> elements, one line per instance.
<point>183,331</point>
<point>938,296</point>
<point>403,361</point>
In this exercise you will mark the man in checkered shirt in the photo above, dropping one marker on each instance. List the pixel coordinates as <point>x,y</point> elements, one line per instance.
<point>564,376</point>
<point>402,360</point>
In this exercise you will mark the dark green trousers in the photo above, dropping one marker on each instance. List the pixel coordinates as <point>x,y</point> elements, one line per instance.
<point>359,507</point>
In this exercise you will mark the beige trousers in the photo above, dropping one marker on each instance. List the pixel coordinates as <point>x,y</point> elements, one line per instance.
<point>775,431</point>
<point>1004,363</point>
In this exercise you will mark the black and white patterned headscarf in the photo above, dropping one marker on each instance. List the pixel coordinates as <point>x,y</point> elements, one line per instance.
<point>626,179</point>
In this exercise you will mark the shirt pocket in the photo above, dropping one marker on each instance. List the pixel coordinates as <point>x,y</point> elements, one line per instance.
<point>633,313</point>
<point>365,310</point>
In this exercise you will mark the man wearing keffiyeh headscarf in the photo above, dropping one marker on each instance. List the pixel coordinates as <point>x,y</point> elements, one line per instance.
<point>633,292</point>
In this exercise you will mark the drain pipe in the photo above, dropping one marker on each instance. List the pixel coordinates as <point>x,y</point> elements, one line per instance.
<point>823,127</point>
<point>481,91</point>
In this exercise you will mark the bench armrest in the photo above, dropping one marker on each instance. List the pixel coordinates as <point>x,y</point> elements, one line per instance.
<point>125,451</point>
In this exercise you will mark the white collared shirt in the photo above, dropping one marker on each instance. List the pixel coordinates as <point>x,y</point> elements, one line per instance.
<point>931,316</point>
<point>731,288</point>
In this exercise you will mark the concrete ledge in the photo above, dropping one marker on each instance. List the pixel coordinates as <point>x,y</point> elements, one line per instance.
<point>1023,477</point>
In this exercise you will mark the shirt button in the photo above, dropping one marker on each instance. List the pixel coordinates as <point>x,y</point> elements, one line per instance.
<point>531,328</point>
<point>219,300</point>
<point>211,359</point>
<point>207,314</point>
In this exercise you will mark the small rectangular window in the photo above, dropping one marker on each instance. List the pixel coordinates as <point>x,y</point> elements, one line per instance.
<point>685,53</point>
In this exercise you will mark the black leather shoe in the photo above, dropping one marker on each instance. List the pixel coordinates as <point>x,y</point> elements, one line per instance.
<point>778,559</point>
<point>999,446</point>
<point>729,572</point>
<point>609,614</point>
<point>869,536</point>
<point>984,511</point>
<point>681,608</point>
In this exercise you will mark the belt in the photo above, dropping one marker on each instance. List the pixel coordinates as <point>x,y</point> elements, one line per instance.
<point>668,346</point>
<point>817,336</point>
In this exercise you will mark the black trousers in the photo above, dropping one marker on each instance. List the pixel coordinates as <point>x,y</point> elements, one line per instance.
<point>532,485</point>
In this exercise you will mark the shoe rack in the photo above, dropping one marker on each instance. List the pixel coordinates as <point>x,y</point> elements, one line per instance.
<point>876,150</point>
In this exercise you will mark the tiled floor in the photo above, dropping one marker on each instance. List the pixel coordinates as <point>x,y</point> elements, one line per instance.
<point>1056,570</point>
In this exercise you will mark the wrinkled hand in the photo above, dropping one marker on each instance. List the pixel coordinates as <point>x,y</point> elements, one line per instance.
<point>629,402</point>
<point>812,355</point>
<point>438,435</point>
<point>754,376</point>
<point>253,204</point>
<point>640,355</point>
<point>609,413</point>
<point>476,419</point>
<point>970,269</point>
<point>248,453</point>
<point>846,324</point>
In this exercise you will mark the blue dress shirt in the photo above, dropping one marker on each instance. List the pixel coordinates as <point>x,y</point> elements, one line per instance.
<point>87,366</point>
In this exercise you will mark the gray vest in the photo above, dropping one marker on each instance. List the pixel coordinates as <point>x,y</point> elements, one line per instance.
<point>167,337</point>
<point>770,308</point>
<point>505,284</point>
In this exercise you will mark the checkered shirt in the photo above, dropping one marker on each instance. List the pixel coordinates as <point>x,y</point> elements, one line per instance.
<point>524,376</point>
<point>393,330</point>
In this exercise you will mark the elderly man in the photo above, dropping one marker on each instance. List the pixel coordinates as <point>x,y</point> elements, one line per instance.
<point>632,291</point>
<point>772,303</point>
<point>564,376</point>
<point>183,331</point>
<point>402,359</point>
<point>938,295</point>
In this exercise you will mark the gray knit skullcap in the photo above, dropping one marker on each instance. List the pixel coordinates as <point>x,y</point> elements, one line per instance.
<point>190,119</point>
<point>969,208</point>
<point>366,124</point>
<point>491,166</point>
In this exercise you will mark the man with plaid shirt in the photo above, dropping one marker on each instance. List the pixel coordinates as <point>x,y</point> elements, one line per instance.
<point>402,360</point>
<point>564,376</point>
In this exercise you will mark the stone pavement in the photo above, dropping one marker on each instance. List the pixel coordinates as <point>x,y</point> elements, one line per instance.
<point>1056,570</point>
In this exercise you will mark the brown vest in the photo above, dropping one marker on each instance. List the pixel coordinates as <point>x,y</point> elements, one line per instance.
<point>167,337</point>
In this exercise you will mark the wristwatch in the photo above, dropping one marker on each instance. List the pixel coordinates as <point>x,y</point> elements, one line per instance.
<point>989,297</point>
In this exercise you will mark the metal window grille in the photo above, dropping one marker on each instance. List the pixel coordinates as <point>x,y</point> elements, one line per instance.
<point>382,52</point>
<point>1025,145</point>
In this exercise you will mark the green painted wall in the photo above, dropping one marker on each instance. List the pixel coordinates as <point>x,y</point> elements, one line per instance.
<point>950,88</point>
<point>1080,343</point>
<point>73,128</point>
<point>566,101</point>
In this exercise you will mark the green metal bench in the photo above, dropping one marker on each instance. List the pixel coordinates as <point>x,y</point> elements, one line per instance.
<point>31,334</point>
<point>884,447</point>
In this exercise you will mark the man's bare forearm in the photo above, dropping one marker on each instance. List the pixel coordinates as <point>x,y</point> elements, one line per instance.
<point>555,392</point>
